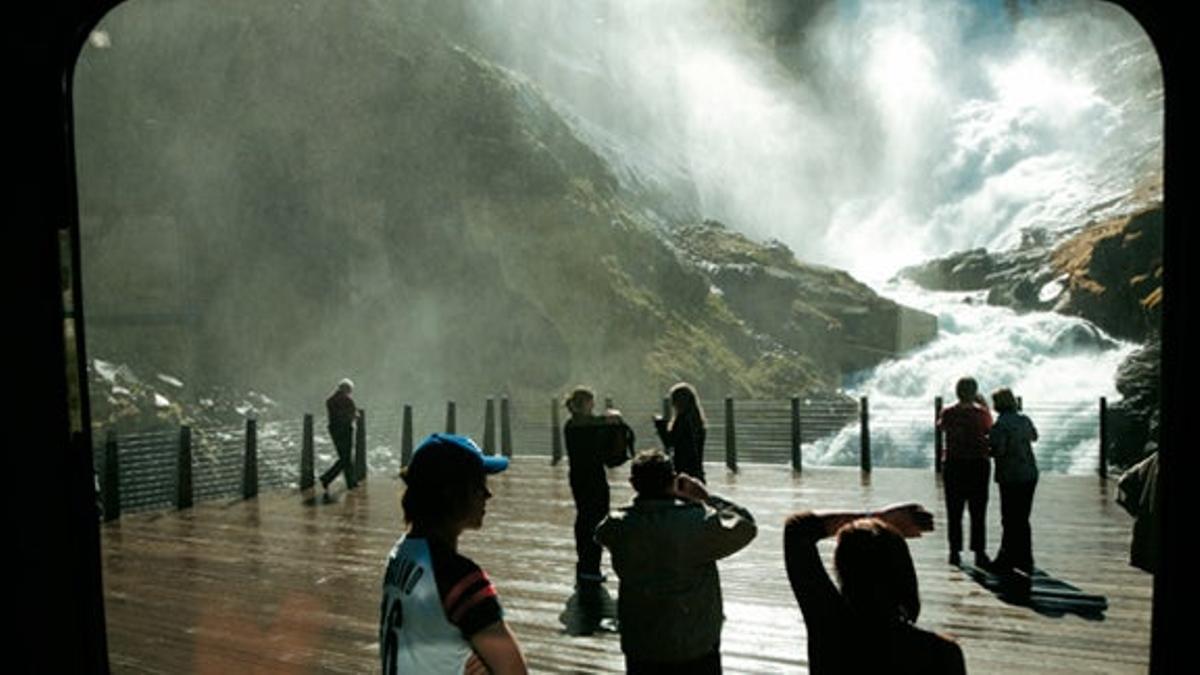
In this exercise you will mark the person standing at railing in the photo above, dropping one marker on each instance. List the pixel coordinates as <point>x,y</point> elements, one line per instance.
<point>966,468</point>
<point>683,435</point>
<point>590,441</point>
<point>342,413</point>
<point>1017,475</point>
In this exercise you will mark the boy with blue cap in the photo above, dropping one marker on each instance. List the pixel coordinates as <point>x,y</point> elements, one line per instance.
<point>440,613</point>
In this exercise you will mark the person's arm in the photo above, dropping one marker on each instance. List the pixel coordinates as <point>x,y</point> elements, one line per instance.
<point>810,582</point>
<point>815,593</point>
<point>660,427</point>
<point>998,440</point>
<point>727,527</point>
<point>497,648</point>
<point>1130,486</point>
<point>1033,436</point>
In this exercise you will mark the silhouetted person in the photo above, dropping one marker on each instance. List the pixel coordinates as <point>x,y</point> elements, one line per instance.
<point>869,626</point>
<point>683,435</point>
<point>342,413</point>
<point>664,549</point>
<point>966,468</point>
<point>1017,474</point>
<point>1137,493</point>
<point>440,613</point>
<point>589,438</point>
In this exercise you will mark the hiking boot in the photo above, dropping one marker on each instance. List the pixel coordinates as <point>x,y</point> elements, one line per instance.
<point>955,558</point>
<point>982,560</point>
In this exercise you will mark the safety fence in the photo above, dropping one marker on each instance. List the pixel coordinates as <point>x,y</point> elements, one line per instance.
<point>176,467</point>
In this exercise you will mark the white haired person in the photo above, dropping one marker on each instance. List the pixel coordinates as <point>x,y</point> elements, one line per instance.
<point>440,613</point>
<point>342,414</point>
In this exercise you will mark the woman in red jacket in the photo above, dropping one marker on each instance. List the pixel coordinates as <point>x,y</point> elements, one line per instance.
<point>966,468</point>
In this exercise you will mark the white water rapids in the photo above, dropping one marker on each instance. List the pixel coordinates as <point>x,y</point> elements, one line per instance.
<point>882,135</point>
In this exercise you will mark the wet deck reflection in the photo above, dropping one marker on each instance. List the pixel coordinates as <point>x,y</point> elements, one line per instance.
<point>289,583</point>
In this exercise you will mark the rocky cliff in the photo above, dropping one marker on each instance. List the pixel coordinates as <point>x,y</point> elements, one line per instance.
<point>1108,272</point>
<point>276,195</point>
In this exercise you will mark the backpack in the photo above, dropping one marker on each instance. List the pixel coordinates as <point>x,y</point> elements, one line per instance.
<point>619,445</point>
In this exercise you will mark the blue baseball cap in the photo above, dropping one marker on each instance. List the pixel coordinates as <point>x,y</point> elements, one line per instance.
<point>450,456</point>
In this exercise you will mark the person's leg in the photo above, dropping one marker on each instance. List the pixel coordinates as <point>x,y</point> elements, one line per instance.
<point>980,475</point>
<point>709,664</point>
<point>343,441</point>
<point>635,667</point>
<point>1023,534</point>
<point>954,508</point>
<point>587,551</point>
<point>332,472</point>
<point>1008,518</point>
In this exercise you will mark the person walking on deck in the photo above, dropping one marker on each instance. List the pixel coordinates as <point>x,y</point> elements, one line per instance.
<point>664,550</point>
<point>966,468</point>
<point>342,414</point>
<point>683,435</point>
<point>1017,475</point>
<point>440,613</point>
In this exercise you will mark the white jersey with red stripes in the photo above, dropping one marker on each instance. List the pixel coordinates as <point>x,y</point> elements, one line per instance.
<point>434,600</point>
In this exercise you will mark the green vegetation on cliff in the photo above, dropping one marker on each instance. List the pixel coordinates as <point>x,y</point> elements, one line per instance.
<point>275,195</point>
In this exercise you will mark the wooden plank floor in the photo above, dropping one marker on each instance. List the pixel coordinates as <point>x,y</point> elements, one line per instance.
<point>287,583</point>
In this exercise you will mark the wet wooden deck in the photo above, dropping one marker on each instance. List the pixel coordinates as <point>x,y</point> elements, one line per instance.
<point>287,583</point>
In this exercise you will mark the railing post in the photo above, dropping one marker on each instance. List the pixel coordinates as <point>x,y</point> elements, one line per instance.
<point>796,438</point>
<point>730,436</point>
<point>556,441</point>
<point>865,448</point>
<point>1103,437</point>
<point>250,460</point>
<point>938,441</point>
<point>183,469</point>
<point>506,448</point>
<point>1020,403</point>
<point>666,408</point>
<point>489,427</point>
<point>307,459</point>
<point>112,478</point>
<point>451,418</point>
<point>406,436</point>
<point>360,447</point>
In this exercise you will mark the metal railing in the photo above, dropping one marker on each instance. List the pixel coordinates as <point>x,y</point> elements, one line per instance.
<point>175,467</point>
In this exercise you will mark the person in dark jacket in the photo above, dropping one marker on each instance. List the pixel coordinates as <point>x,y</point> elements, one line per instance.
<point>588,438</point>
<point>665,548</point>
<point>342,414</point>
<point>966,468</point>
<point>1137,493</point>
<point>1011,441</point>
<point>869,626</point>
<point>683,435</point>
